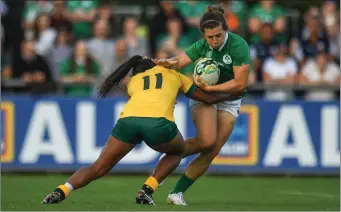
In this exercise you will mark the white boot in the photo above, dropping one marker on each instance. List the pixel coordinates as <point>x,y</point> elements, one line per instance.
<point>176,199</point>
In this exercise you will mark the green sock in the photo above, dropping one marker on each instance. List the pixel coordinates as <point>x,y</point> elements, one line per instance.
<point>183,184</point>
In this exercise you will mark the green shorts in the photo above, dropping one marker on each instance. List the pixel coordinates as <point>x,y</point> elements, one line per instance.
<point>153,131</point>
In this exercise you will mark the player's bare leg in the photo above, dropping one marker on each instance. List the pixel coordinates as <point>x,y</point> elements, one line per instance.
<point>205,120</point>
<point>200,164</point>
<point>174,151</point>
<point>204,116</point>
<point>113,151</point>
<point>173,154</point>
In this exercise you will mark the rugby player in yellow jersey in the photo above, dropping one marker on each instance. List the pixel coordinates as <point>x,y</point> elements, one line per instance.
<point>148,116</point>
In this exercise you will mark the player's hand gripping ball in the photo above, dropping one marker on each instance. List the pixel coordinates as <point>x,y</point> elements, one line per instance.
<point>208,70</point>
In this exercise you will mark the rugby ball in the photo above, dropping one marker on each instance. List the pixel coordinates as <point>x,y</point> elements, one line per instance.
<point>208,69</point>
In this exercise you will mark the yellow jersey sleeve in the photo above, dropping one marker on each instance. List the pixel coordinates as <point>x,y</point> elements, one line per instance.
<point>187,85</point>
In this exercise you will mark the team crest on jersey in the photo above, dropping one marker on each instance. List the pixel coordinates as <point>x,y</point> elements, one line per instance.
<point>227,59</point>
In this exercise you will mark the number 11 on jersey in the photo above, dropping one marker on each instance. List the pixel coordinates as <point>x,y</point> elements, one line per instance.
<point>146,81</point>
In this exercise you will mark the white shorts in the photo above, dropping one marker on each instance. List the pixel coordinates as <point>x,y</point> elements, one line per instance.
<point>232,107</point>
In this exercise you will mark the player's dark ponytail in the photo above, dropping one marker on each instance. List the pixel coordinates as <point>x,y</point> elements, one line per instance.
<point>137,63</point>
<point>213,17</point>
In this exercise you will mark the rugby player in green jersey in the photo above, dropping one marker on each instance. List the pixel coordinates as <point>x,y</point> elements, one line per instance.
<point>214,123</point>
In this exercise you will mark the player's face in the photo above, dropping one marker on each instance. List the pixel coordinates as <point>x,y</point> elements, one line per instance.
<point>215,36</point>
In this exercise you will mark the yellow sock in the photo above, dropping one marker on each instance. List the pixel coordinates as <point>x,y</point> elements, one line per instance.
<point>65,189</point>
<point>152,182</point>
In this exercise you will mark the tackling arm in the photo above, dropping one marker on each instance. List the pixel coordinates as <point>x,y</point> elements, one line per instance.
<point>210,98</point>
<point>174,63</point>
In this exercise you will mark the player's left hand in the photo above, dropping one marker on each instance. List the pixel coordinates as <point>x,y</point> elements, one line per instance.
<point>200,82</point>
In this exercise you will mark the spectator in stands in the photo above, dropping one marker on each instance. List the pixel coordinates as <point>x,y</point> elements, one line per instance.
<point>5,55</point>
<point>62,50</point>
<point>120,53</point>
<point>240,9</point>
<point>136,45</point>
<point>334,42</point>
<point>267,12</point>
<point>32,10</point>
<point>330,13</point>
<point>82,13</point>
<point>192,10</point>
<point>263,49</point>
<point>174,41</point>
<point>101,47</point>
<point>331,22</point>
<point>13,28</point>
<point>79,72</point>
<point>30,66</point>
<point>59,16</point>
<point>44,37</point>
<point>105,12</point>
<point>158,23</point>
<point>295,51</point>
<point>318,71</point>
<point>280,70</point>
<point>231,18</point>
<point>120,56</point>
<point>295,48</point>
<point>313,39</point>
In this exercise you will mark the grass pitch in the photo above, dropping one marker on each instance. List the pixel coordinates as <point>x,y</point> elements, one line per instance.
<point>209,193</point>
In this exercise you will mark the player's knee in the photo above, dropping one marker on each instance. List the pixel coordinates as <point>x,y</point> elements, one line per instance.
<point>207,145</point>
<point>214,153</point>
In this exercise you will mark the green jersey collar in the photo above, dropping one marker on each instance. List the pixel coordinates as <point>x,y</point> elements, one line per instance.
<point>222,46</point>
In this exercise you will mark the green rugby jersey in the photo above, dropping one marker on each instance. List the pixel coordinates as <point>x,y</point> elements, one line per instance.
<point>233,52</point>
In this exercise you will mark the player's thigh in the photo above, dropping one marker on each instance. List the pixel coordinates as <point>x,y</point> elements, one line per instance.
<point>113,151</point>
<point>205,120</point>
<point>175,146</point>
<point>227,117</point>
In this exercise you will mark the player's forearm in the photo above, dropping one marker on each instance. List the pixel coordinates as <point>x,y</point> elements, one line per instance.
<point>231,87</point>
<point>223,97</point>
<point>175,63</point>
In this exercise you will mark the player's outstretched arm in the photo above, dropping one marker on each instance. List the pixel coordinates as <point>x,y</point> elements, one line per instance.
<point>174,63</point>
<point>211,98</point>
<point>196,93</point>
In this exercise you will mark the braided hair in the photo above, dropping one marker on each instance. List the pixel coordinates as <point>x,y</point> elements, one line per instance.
<point>138,63</point>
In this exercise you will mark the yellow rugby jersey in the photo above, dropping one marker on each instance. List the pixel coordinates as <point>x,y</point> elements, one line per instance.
<point>153,93</point>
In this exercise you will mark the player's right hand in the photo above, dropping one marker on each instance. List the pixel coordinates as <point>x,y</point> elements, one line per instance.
<point>167,63</point>
<point>200,82</point>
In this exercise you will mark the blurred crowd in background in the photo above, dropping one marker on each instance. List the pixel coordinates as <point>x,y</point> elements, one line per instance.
<point>75,44</point>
